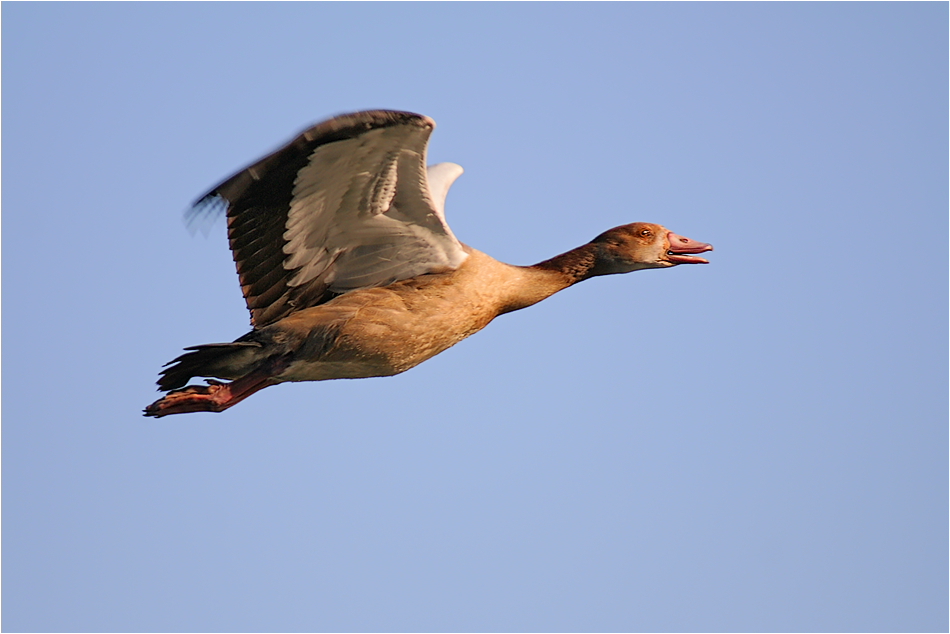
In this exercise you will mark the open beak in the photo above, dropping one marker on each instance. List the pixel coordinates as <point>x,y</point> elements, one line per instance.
<point>681,250</point>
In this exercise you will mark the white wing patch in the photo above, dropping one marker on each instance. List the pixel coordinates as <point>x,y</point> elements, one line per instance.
<point>362,212</point>
<point>441,176</point>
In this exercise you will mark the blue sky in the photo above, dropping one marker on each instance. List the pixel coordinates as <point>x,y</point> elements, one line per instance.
<point>759,444</point>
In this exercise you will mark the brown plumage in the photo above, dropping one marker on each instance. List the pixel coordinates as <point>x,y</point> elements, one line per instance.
<point>350,271</point>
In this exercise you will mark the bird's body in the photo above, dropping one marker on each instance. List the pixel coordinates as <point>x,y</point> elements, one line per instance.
<point>385,331</point>
<point>350,270</point>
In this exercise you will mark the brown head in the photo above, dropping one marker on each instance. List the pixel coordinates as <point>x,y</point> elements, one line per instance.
<point>643,245</point>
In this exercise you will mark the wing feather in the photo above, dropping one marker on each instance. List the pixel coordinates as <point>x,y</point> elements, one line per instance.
<point>345,205</point>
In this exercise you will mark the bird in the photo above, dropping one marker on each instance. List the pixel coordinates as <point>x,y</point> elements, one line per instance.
<point>350,270</point>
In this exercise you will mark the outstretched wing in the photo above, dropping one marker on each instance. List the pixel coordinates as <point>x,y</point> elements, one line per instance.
<point>347,204</point>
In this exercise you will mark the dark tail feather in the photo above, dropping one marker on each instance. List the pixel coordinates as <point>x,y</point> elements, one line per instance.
<point>220,360</point>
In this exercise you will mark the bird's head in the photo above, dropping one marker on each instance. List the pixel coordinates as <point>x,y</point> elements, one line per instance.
<point>643,245</point>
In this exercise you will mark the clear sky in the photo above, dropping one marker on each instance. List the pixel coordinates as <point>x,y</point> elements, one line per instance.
<point>756,444</point>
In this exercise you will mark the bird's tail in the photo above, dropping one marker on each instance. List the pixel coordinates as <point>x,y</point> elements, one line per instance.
<point>218,360</point>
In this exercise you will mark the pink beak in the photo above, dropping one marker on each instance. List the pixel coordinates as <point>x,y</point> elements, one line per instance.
<point>680,247</point>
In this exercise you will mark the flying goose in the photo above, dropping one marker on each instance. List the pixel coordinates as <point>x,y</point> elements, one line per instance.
<point>350,270</point>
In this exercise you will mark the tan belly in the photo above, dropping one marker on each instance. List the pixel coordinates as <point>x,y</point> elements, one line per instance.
<point>366,347</point>
<point>385,331</point>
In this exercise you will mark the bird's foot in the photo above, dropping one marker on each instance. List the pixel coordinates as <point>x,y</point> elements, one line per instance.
<point>214,397</point>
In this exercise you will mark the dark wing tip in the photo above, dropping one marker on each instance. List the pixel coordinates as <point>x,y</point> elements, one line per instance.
<point>347,126</point>
<point>204,212</point>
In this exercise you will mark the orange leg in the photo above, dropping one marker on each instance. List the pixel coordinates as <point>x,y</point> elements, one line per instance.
<point>214,397</point>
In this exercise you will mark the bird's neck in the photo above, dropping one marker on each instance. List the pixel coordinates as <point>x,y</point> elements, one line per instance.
<point>576,265</point>
<point>544,279</point>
